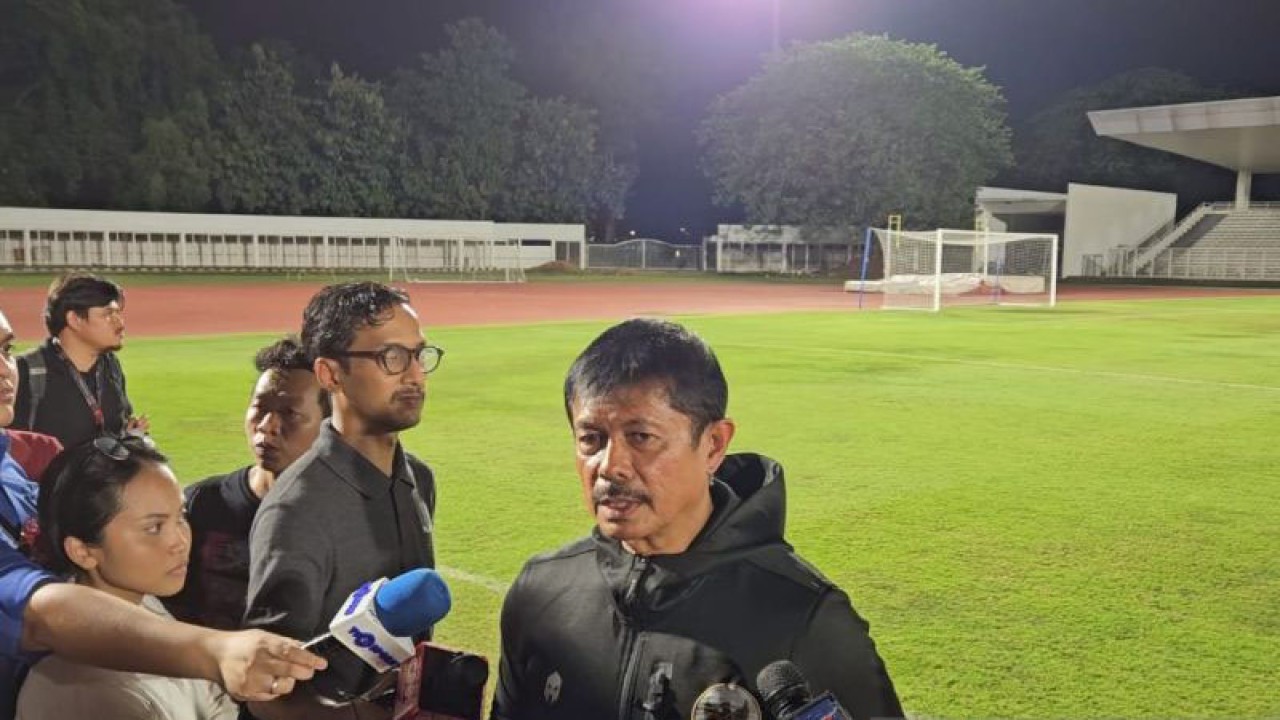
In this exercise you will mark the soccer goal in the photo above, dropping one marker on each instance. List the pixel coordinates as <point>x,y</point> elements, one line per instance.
<point>930,270</point>
<point>415,260</point>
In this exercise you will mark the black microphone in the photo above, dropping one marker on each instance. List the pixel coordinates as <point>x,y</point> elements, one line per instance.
<point>787,696</point>
<point>372,633</point>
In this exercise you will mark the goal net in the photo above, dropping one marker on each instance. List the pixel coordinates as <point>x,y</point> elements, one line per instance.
<point>417,260</point>
<point>930,270</point>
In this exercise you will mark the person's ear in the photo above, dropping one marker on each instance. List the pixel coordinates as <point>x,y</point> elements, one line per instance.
<point>85,556</point>
<point>327,373</point>
<point>74,321</point>
<point>715,442</point>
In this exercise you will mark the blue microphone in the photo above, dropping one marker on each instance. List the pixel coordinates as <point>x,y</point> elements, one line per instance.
<point>373,633</point>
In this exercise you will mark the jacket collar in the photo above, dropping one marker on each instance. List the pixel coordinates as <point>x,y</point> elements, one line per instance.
<point>749,513</point>
<point>355,469</point>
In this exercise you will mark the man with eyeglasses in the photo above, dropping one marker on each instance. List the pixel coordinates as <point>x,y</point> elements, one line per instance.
<point>73,386</point>
<point>356,506</point>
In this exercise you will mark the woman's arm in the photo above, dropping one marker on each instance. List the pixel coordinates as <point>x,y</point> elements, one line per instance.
<point>94,628</point>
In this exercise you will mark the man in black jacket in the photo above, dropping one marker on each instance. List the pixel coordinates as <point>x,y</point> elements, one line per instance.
<point>686,581</point>
<point>72,385</point>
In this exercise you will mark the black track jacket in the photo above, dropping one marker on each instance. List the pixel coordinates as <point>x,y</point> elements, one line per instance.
<point>593,632</point>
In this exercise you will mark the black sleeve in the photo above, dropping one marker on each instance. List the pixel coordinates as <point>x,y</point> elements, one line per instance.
<point>22,404</point>
<point>836,653</point>
<point>508,691</point>
<point>126,407</point>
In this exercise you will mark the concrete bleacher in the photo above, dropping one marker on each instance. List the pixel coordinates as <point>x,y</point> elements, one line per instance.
<point>1240,244</point>
<point>1257,227</point>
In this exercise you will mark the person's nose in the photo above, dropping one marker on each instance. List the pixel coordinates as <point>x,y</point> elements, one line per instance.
<point>615,461</point>
<point>269,424</point>
<point>180,543</point>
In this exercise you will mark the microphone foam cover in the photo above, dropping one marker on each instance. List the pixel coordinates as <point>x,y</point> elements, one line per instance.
<point>412,602</point>
<point>780,683</point>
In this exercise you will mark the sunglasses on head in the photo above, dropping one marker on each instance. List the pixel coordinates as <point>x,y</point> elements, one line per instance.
<point>116,448</point>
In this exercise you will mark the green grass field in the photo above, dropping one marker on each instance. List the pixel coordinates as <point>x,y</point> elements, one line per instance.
<point>1068,513</point>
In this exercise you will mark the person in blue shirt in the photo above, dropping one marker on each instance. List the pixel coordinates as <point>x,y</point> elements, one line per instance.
<point>40,615</point>
<point>17,506</point>
<point>17,494</point>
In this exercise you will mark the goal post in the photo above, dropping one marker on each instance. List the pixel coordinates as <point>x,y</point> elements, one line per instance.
<point>414,260</point>
<point>930,270</point>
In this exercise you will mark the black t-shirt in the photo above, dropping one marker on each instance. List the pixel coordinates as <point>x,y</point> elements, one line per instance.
<point>220,510</point>
<point>63,412</point>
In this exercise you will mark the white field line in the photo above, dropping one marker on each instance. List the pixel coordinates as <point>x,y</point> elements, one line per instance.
<point>493,585</point>
<point>1013,366</point>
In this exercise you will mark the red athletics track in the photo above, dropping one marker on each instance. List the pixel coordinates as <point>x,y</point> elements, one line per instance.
<point>189,309</point>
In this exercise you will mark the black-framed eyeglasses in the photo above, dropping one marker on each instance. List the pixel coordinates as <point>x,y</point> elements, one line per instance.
<point>395,359</point>
<point>114,447</point>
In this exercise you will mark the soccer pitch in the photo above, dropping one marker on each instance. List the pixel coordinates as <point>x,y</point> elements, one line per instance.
<point>1059,513</point>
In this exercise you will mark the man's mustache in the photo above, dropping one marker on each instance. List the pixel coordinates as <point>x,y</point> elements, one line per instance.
<point>606,489</point>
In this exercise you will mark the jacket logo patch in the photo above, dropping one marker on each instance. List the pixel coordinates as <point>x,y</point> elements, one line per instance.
<point>551,691</point>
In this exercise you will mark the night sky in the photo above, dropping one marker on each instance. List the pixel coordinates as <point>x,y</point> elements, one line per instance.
<point>1033,49</point>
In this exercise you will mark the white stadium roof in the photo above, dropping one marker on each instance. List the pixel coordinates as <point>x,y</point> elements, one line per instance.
<point>1234,134</point>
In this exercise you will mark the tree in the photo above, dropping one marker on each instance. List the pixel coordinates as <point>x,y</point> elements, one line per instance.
<point>845,132</point>
<point>1059,145</point>
<point>356,148</point>
<point>460,107</point>
<point>84,87</point>
<point>173,169</point>
<point>263,132</point>
<point>612,66</point>
<point>559,174</point>
<point>550,177</point>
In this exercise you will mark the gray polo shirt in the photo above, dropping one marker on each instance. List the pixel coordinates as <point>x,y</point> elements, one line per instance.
<point>331,522</point>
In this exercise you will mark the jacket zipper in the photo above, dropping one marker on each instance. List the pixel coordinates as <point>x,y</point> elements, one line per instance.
<point>638,569</point>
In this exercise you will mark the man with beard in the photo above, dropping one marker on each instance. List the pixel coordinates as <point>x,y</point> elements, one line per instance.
<point>687,587</point>
<point>283,420</point>
<point>72,384</point>
<point>356,506</point>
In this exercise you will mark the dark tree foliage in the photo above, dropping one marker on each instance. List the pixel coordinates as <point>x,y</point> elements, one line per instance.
<point>1059,146</point>
<point>461,107</point>
<point>845,132</point>
<point>477,146</point>
<point>124,104</point>
<point>100,103</point>
<point>356,146</point>
<point>262,132</point>
<point>615,68</point>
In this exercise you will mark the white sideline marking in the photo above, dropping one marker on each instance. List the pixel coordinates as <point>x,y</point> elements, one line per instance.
<point>493,585</point>
<point>1015,366</point>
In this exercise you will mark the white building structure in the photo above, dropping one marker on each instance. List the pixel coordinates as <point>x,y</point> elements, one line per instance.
<point>32,238</point>
<point>781,249</point>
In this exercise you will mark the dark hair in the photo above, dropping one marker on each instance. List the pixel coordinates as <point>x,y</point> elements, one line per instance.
<point>287,354</point>
<point>77,293</point>
<point>334,314</point>
<point>645,350</point>
<point>81,493</point>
